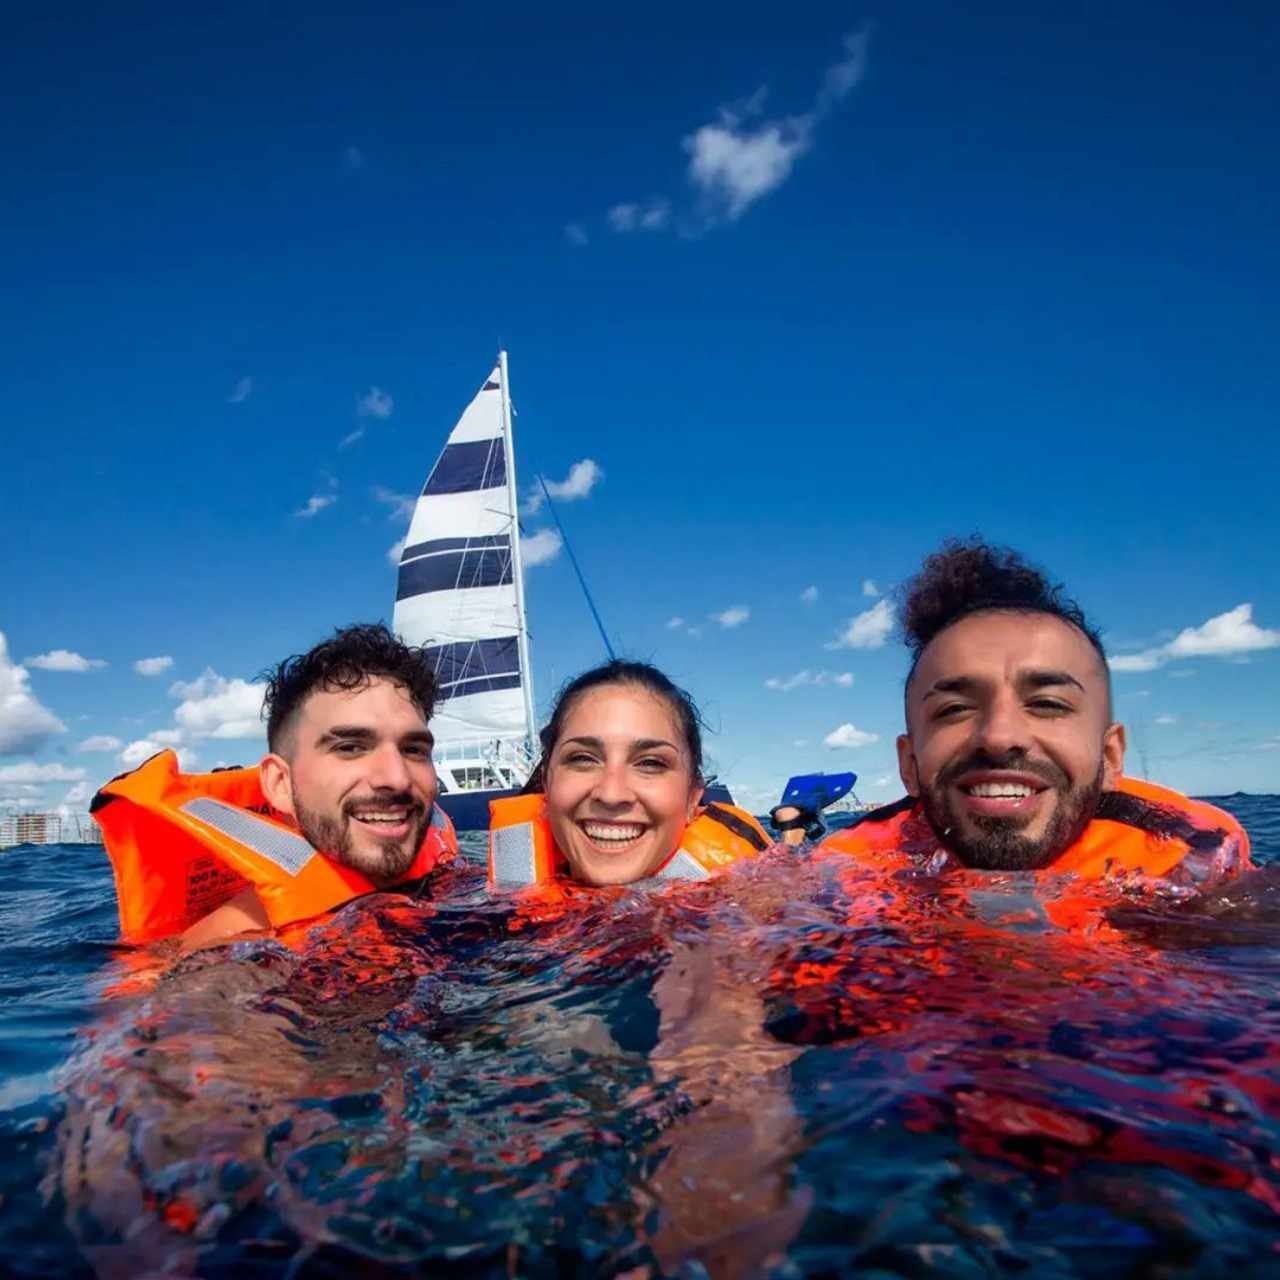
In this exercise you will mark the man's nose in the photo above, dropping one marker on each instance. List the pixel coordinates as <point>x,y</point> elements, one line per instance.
<point>1002,726</point>
<point>388,770</point>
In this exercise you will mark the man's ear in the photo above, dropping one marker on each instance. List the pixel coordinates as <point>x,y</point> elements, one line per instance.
<point>1113,745</point>
<point>276,781</point>
<point>907,765</point>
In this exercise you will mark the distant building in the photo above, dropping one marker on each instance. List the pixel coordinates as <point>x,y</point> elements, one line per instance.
<point>48,828</point>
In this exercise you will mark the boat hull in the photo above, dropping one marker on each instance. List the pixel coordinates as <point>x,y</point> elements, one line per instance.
<point>469,810</point>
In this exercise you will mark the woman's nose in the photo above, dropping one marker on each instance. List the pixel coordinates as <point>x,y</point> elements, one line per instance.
<point>613,785</point>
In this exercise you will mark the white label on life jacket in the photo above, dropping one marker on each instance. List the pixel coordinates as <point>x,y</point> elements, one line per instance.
<point>286,850</point>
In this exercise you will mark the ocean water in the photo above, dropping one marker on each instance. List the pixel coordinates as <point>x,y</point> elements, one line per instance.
<point>802,1070</point>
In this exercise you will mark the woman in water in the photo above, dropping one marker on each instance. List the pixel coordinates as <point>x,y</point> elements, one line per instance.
<point>617,797</point>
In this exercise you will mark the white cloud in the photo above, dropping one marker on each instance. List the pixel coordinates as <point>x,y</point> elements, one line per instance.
<point>144,748</point>
<point>350,438</point>
<point>575,233</point>
<point>735,167</point>
<point>64,660</point>
<point>674,624</point>
<point>241,391</point>
<point>809,595</point>
<point>167,737</point>
<point>25,722</point>
<point>79,794</point>
<point>734,616</point>
<point>100,742</point>
<point>375,403</point>
<point>1166,719</point>
<point>395,551</point>
<point>582,478</point>
<point>734,163</point>
<point>653,215</point>
<point>20,790</point>
<point>847,736</point>
<point>401,504</point>
<point>868,630</point>
<point>315,504</point>
<point>869,588</point>
<point>153,666</point>
<point>784,684</point>
<point>215,707</point>
<point>540,547</point>
<point>1225,635</point>
<point>34,774</point>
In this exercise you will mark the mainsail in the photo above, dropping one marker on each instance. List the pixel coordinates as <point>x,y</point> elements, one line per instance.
<point>461,589</point>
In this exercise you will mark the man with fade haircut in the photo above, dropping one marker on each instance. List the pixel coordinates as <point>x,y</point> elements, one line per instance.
<point>1012,759</point>
<point>343,803</point>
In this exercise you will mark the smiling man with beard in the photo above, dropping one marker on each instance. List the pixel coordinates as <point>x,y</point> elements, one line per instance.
<point>348,762</point>
<point>1012,759</point>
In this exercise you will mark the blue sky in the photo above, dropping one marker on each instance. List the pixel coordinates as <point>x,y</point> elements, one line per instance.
<point>812,289</point>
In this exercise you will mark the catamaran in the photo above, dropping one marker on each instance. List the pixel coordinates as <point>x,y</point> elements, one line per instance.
<point>460,594</point>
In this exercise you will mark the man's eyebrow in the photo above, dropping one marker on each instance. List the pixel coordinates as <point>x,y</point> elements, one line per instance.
<point>953,684</point>
<point>1045,679</point>
<point>347,733</point>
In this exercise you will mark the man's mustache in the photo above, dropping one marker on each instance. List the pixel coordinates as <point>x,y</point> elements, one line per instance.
<point>397,798</point>
<point>1013,760</point>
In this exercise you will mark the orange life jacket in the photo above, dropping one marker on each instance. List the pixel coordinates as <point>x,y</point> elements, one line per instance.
<point>523,851</point>
<point>1138,828</point>
<point>182,844</point>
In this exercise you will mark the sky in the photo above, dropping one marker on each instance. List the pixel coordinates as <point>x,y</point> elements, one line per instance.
<point>810,290</point>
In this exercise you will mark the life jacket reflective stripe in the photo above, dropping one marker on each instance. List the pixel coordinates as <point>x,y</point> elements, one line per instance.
<point>1138,828</point>
<point>523,851</point>
<point>182,844</point>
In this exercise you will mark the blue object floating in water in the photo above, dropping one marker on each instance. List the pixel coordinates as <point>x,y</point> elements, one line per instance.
<point>817,790</point>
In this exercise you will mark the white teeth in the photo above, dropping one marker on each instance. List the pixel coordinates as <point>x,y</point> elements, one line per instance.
<point>612,832</point>
<point>381,816</point>
<point>1000,790</point>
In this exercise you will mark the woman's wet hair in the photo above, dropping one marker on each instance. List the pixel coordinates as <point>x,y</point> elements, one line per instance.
<point>636,675</point>
<point>971,576</point>
<point>347,660</point>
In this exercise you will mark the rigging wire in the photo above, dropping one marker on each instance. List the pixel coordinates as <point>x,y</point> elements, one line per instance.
<point>582,582</point>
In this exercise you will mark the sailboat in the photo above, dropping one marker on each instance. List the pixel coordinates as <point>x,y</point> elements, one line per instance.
<point>460,594</point>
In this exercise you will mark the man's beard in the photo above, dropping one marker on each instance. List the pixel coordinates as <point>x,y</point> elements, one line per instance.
<point>386,864</point>
<point>998,844</point>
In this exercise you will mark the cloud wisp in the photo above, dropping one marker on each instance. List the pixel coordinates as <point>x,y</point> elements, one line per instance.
<point>870,589</point>
<point>241,391</point>
<point>847,736</point>
<point>156,666</point>
<point>101,742</point>
<point>734,616</point>
<point>64,660</point>
<point>809,595</point>
<point>540,548</point>
<point>784,684</point>
<point>25,722</point>
<point>1226,635</point>
<point>315,505</point>
<point>583,477</point>
<point>375,403</point>
<point>868,630</point>
<point>742,155</point>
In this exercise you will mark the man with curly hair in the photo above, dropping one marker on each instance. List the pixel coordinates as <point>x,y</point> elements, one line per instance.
<point>1012,758</point>
<point>348,761</point>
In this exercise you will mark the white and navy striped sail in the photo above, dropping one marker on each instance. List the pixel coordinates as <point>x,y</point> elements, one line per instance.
<point>458,592</point>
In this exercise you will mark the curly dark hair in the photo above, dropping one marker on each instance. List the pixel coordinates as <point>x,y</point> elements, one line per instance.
<point>971,576</point>
<point>348,659</point>
<point>640,675</point>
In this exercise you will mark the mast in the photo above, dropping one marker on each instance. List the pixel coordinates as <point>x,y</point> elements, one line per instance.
<point>517,564</point>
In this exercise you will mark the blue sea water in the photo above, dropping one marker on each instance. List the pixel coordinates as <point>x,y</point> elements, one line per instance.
<point>792,1074</point>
